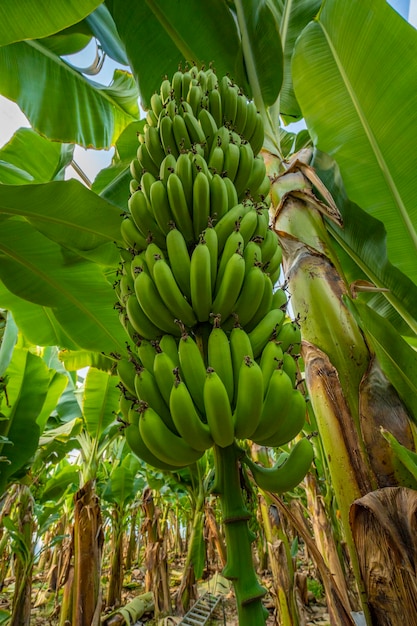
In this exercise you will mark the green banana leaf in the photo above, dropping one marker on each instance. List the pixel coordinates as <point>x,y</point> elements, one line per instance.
<point>27,389</point>
<point>20,163</point>
<point>397,358</point>
<point>359,59</point>
<point>78,359</point>
<point>100,401</point>
<point>262,50</point>
<point>8,343</point>
<point>56,443</point>
<point>363,253</point>
<point>121,486</point>
<point>69,214</point>
<point>160,35</point>
<point>31,19</point>
<point>104,29</point>
<point>71,291</point>
<point>60,102</point>
<point>57,485</point>
<point>292,16</point>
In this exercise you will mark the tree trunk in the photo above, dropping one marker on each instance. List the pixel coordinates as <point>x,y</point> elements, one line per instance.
<point>88,541</point>
<point>114,589</point>
<point>384,527</point>
<point>24,560</point>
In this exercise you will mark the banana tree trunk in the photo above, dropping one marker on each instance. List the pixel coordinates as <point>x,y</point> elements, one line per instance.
<point>24,560</point>
<point>88,544</point>
<point>338,364</point>
<point>114,589</point>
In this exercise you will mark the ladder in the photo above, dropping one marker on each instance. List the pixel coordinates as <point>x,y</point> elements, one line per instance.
<point>201,611</point>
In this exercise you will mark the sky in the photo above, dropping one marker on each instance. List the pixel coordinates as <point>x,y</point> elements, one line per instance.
<point>92,161</point>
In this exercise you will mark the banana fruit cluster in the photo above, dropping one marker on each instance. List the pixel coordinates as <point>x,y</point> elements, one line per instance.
<point>214,357</point>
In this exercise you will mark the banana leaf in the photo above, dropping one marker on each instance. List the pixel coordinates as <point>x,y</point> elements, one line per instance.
<point>100,401</point>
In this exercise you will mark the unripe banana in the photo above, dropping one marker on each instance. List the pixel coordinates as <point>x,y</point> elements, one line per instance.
<point>251,120</point>
<point>220,357</point>
<point>268,327</point>
<point>240,348</point>
<point>216,160</point>
<point>153,143</point>
<point>265,304</point>
<point>186,418</point>
<point>289,337</point>
<point>160,206</point>
<point>169,345</point>
<point>201,203</point>
<point>171,294</point>
<point>199,164</point>
<point>135,169</point>
<point>287,475</point>
<point>244,170</point>
<point>193,369</point>
<point>179,207</point>
<point>273,267</point>
<point>140,321</point>
<point>167,168</point>
<point>215,106</point>
<point>280,301</point>
<point>163,370</point>
<point>248,225</point>
<point>209,235</point>
<point>249,399</point>
<point>230,286</point>
<point>156,104</point>
<point>218,410</point>
<point>209,126</point>
<point>195,130</point>
<point>163,443</point>
<point>143,217</point>
<point>257,176</point>
<point>262,224</point>
<point>227,224</point>
<point>165,91</point>
<point>179,260</point>
<point>146,351</point>
<point>219,199</point>
<point>241,113</point>
<point>132,236</point>
<point>182,138</point>
<point>234,243</point>
<point>184,171</point>
<point>200,281</point>
<point>232,199</point>
<point>148,391</point>
<point>166,132</point>
<point>252,255</point>
<point>145,160</point>
<point>152,254</point>
<point>153,305</point>
<point>271,359</point>
<point>257,138</point>
<point>194,97</point>
<point>126,370</point>
<point>176,84</point>
<point>250,295</point>
<point>276,404</point>
<point>139,448</point>
<point>288,425</point>
<point>290,367</point>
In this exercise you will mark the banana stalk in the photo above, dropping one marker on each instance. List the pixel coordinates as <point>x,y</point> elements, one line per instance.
<point>239,566</point>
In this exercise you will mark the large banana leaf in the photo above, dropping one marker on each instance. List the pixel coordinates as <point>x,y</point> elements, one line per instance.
<point>292,16</point>
<point>100,401</point>
<point>31,19</point>
<point>104,29</point>
<point>354,77</point>
<point>29,383</point>
<point>161,35</point>
<point>121,485</point>
<point>363,253</point>
<point>60,102</point>
<point>72,291</point>
<point>20,163</point>
<point>69,214</point>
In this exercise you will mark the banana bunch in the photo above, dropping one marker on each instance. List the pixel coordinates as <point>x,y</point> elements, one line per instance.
<point>214,357</point>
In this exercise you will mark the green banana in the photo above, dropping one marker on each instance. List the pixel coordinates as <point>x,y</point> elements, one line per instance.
<point>289,365</point>
<point>276,404</point>
<point>257,137</point>
<point>219,199</point>
<point>145,160</point>
<point>132,236</point>
<point>181,136</point>
<point>218,410</point>
<point>250,295</point>
<point>140,321</point>
<point>153,143</point>
<point>289,424</point>
<point>135,170</point>
<point>153,305</point>
<point>156,104</point>
<point>209,236</point>
<point>280,301</point>
<point>192,369</point>
<point>144,219</point>
<point>194,129</point>
<point>179,260</point>
<point>186,418</point>
<point>201,203</point>
<point>165,91</point>
<point>146,351</point>
<point>232,199</point>
<point>152,254</point>
<point>137,445</point>
<point>248,225</point>
<point>126,370</point>
<point>171,294</point>
<point>147,390</point>
<point>184,171</point>
<point>160,206</point>
<point>287,475</point>
<point>242,177</point>
<point>240,348</point>
<point>241,112</point>
<point>251,120</point>
<point>216,159</point>
<point>249,399</point>
<point>257,176</point>
<point>252,254</point>
<point>163,443</point>
<point>163,371</point>
<point>271,359</point>
<point>209,126</point>
<point>265,329</point>
<point>220,357</point>
<point>215,106</point>
<point>179,207</point>
<point>227,224</point>
<point>176,84</point>
<point>289,337</point>
<point>169,345</point>
<point>269,245</point>
<point>265,305</point>
<point>230,286</point>
<point>200,281</point>
<point>166,132</point>
<point>194,97</point>
<point>234,243</point>
<point>168,166</point>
